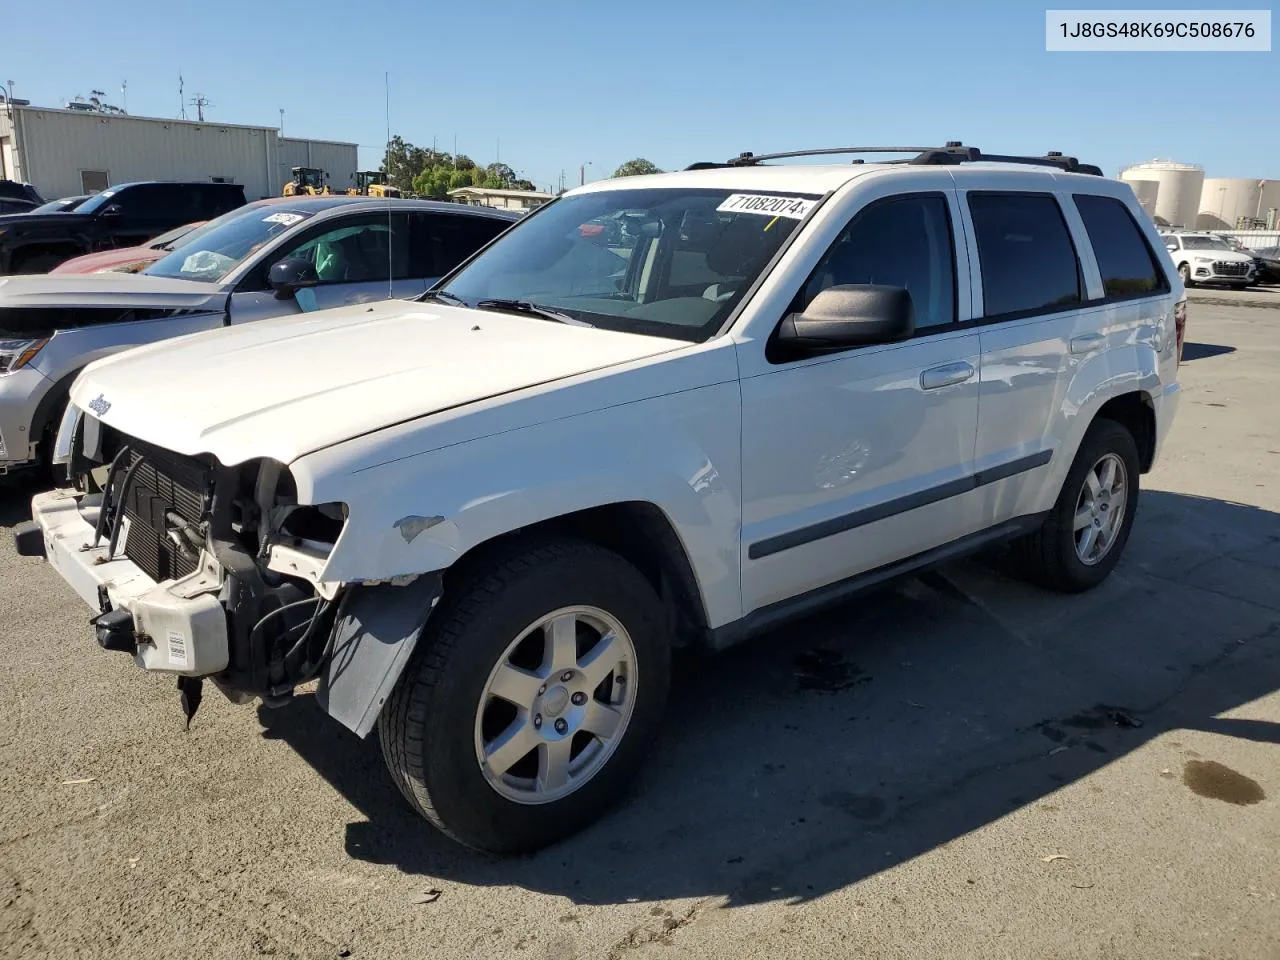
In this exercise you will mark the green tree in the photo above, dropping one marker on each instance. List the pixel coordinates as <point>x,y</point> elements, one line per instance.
<point>636,167</point>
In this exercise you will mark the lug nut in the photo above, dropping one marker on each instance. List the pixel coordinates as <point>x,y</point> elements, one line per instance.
<point>566,676</point>
<point>561,726</point>
<point>579,699</point>
<point>537,721</point>
<point>542,689</point>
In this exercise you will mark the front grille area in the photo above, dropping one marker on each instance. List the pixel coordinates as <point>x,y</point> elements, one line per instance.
<point>163,488</point>
<point>1230,268</point>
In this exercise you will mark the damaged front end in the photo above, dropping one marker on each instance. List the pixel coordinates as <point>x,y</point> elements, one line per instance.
<point>206,571</point>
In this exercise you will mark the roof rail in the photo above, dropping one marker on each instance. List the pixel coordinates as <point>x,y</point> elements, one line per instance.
<point>954,152</point>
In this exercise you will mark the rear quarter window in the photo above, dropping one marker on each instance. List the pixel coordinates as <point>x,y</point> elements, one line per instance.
<point>1027,259</point>
<point>1126,261</point>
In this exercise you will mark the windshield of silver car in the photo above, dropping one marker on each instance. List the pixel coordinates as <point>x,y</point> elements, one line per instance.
<point>215,253</point>
<point>665,262</point>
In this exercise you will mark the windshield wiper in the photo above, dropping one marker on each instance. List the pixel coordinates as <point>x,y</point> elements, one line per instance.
<point>444,296</point>
<point>530,309</point>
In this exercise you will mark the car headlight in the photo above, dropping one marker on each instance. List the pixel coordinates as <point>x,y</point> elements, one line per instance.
<point>16,354</point>
<point>1204,259</point>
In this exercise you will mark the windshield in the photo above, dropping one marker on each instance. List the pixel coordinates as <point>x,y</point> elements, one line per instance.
<point>665,262</point>
<point>96,202</point>
<point>1205,243</point>
<point>60,206</point>
<point>211,252</point>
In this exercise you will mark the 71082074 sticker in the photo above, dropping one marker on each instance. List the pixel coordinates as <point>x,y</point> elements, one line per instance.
<point>795,208</point>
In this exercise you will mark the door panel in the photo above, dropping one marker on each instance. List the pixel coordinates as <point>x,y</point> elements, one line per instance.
<point>855,460</point>
<point>842,459</point>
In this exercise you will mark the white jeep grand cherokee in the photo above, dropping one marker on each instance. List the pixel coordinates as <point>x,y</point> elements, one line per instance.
<point>673,409</point>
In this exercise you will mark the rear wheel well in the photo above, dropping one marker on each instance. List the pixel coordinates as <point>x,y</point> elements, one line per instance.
<point>637,531</point>
<point>1135,413</point>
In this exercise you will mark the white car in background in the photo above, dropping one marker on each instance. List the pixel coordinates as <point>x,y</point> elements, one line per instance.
<point>1208,258</point>
<point>287,257</point>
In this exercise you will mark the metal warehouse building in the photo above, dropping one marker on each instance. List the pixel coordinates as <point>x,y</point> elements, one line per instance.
<point>67,152</point>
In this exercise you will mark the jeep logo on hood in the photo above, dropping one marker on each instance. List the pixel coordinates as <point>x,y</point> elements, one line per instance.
<point>100,405</point>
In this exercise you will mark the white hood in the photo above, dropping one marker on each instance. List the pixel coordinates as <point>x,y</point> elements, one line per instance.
<point>288,386</point>
<point>108,290</point>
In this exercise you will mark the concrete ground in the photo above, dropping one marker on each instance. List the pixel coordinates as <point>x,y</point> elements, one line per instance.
<point>961,766</point>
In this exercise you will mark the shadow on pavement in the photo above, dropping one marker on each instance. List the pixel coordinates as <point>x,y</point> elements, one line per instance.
<point>854,741</point>
<point>1202,351</point>
<point>16,491</point>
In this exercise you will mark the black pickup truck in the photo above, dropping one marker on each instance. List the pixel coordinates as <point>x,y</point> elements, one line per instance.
<point>122,216</point>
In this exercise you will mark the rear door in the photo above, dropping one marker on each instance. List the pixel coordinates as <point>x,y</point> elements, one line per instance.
<point>1036,328</point>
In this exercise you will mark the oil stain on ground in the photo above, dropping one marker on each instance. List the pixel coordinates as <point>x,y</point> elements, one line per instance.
<point>1211,779</point>
<point>826,671</point>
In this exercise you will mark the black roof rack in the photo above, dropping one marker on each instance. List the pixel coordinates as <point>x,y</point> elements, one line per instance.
<point>954,152</point>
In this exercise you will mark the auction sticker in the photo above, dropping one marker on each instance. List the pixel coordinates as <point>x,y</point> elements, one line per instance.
<point>178,656</point>
<point>796,208</point>
<point>288,219</point>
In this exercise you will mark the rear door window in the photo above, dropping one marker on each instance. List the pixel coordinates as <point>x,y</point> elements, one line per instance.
<point>441,241</point>
<point>1127,264</point>
<point>1025,253</point>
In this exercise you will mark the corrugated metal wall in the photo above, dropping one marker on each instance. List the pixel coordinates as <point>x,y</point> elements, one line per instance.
<point>337,159</point>
<point>56,146</point>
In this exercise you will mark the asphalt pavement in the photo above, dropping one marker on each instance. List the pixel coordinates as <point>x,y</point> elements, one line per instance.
<point>959,766</point>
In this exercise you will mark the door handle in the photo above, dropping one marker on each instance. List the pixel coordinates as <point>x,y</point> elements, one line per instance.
<point>1086,343</point>
<point>946,375</point>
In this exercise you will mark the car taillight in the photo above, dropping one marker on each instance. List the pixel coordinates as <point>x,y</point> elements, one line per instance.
<point>1180,324</point>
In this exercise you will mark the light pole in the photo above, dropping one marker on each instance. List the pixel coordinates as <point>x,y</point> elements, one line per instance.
<point>582,172</point>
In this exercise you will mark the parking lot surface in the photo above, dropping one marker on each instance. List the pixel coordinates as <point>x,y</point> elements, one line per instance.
<point>958,766</point>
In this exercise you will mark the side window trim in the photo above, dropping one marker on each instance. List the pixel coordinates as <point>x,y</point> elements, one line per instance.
<point>975,259</point>
<point>959,264</point>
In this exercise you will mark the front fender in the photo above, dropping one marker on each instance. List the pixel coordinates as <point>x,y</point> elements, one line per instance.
<point>679,452</point>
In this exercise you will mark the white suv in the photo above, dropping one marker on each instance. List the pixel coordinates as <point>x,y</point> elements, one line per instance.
<point>1208,258</point>
<point>661,410</point>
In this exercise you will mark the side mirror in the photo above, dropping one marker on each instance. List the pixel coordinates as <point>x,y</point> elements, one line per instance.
<point>850,315</point>
<point>289,276</point>
<point>111,210</point>
<point>1171,247</point>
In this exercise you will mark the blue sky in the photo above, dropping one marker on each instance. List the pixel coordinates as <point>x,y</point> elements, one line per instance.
<point>554,85</point>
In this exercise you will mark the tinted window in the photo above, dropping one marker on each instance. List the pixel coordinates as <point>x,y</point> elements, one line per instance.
<point>441,241</point>
<point>1124,259</point>
<point>216,200</point>
<point>905,242</point>
<point>1025,251</point>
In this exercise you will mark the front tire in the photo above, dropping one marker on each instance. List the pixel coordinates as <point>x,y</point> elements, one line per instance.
<point>1085,533</point>
<point>532,697</point>
<point>1184,271</point>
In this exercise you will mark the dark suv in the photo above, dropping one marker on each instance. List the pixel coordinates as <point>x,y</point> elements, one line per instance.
<point>123,216</point>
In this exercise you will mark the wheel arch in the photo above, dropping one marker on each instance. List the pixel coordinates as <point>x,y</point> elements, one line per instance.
<point>1136,412</point>
<point>638,531</point>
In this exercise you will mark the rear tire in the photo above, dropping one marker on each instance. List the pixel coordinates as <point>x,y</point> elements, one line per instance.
<point>1053,556</point>
<point>433,729</point>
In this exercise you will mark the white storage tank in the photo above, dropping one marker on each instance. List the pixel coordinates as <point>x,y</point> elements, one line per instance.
<point>1146,191</point>
<point>1271,201</point>
<point>1223,200</point>
<point>1178,191</point>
